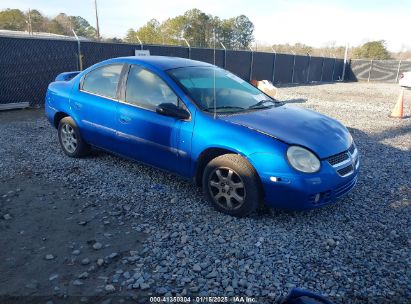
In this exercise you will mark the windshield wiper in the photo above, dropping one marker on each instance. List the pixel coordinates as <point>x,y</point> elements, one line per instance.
<point>211,109</point>
<point>261,103</point>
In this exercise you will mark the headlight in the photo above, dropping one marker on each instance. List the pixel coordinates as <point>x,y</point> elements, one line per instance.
<point>303,160</point>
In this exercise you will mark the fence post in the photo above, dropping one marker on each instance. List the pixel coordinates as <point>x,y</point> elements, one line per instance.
<point>322,70</point>
<point>189,47</point>
<point>308,70</point>
<point>80,59</point>
<point>251,65</point>
<point>275,58</point>
<point>225,54</point>
<point>398,71</point>
<point>345,61</point>
<point>141,44</point>
<point>292,73</point>
<point>335,61</point>
<point>369,72</point>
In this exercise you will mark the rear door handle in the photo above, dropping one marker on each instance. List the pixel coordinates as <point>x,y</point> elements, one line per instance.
<point>77,105</point>
<point>125,119</point>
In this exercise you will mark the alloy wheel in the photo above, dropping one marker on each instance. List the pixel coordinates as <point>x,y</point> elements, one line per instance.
<point>68,138</point>
<point>227,188</point>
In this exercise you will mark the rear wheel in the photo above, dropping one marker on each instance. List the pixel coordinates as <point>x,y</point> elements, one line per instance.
<point>231,184</point>
<point>70,138</point>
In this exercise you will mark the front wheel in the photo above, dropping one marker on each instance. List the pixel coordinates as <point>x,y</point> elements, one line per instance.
<point>232,185</point>
<point>70,139</point>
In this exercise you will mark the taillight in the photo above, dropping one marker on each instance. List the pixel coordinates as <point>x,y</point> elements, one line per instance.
<point>402,76</point>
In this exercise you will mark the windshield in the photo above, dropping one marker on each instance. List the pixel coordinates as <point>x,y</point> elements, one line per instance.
<point>232,94</point>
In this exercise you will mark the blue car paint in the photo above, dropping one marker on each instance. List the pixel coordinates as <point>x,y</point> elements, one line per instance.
<point>67,76</point>
<point>261,136</point>
<point>314,130</point>
<point>163,141</point>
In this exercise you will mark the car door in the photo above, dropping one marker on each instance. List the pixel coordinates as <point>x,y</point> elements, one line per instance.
<point>94,105</point>
<point>156,139</point>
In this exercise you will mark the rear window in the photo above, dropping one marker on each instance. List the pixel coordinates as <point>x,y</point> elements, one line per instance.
<point>103,81</point>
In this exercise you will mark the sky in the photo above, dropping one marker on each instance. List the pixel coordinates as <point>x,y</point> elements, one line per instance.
<point>313,22</point>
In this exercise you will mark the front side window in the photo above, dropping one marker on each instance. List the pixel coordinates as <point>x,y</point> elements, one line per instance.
<point>103,81</point>
<point>146,89</point>
<point>214,88</point>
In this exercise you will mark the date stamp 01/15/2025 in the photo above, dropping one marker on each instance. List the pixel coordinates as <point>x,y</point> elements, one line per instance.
<point>203,299</point>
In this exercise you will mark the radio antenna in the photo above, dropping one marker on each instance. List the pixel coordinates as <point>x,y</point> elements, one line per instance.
<point>214,93</point>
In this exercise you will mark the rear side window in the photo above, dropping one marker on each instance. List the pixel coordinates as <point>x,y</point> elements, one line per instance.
<point>103,81</point>
<point>147,90</point>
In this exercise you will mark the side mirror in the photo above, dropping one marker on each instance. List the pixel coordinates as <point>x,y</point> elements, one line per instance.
<point>170,109</point>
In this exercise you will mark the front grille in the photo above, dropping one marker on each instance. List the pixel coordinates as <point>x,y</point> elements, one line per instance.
<point>342,157</point>
<point>346,170</point>
<point>338,158</point>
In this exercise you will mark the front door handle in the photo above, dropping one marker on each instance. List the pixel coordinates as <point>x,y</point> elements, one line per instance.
<point>125,119</point>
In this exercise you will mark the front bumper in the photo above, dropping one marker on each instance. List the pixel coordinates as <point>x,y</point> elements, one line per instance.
<point>305,191</point>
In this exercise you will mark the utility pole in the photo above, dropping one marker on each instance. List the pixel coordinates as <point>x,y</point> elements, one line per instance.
<point>97,25</point>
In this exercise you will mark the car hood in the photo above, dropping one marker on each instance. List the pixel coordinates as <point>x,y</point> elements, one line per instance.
<point>294,125</point>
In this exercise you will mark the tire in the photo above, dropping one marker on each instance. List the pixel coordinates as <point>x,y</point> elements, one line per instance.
<point>70,139</point>
<point>223,189</point>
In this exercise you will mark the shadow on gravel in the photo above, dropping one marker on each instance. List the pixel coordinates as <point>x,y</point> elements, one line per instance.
<point>385,171</point>
<point>393,132</point>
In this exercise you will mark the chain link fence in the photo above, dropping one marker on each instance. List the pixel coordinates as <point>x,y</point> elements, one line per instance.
<point>28,65</point>
<point>376,70</point>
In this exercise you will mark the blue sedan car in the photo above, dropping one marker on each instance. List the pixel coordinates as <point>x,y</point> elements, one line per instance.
<point>204,123</point>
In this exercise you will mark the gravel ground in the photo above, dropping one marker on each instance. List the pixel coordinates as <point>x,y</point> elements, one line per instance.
<point>122,230</point>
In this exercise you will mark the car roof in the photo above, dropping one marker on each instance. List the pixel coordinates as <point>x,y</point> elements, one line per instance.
<point>161,62</point>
